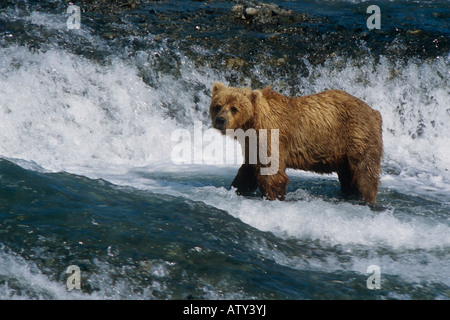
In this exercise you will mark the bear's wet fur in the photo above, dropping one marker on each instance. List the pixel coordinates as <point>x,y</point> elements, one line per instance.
<point>331,131</point>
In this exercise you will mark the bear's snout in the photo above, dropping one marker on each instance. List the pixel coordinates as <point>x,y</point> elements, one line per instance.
<point>220,123</point>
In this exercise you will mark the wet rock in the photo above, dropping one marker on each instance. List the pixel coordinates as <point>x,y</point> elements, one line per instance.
<point>108,35</point>
<point>263,13</point>
<point>413,32</point>
<point>250,13</point>
<point>235,63</point>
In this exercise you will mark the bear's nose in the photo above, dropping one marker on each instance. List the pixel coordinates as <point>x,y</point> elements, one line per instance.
<point>220,122</point>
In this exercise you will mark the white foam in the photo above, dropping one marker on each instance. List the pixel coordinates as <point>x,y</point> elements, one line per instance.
<point>60,110</point>
<point>33,284</point>
<point>338,224</point>
<point>47,20</point>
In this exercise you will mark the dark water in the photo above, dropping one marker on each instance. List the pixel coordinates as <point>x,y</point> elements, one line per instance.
<point>88,178</point>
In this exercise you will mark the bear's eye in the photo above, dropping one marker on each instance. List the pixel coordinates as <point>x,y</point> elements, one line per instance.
<point>217,108</point>
<point>233,110</point>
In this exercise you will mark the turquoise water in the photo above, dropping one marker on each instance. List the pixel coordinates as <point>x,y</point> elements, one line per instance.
<point>88,178</point>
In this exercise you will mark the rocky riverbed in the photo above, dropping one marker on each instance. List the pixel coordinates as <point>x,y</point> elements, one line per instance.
<point>212,33</point>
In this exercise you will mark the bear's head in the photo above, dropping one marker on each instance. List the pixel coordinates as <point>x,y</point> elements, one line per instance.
<point>232,108</point>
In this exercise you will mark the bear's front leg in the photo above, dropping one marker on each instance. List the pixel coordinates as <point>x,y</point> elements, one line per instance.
<point>273,186</point>
<point>246,179</point>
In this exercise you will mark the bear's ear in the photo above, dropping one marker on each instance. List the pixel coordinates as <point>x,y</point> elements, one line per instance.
<point>255,97</point>
<point>218,86</point>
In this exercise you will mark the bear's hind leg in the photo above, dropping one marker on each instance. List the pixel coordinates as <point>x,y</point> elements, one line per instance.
<point>367,179</point>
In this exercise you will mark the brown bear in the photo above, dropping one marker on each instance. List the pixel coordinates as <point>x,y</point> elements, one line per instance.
<point>327,132</point>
